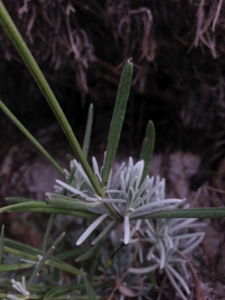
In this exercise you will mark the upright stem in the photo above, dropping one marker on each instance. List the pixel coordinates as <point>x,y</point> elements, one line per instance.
<point>31,138</point>
<point>15,37</point>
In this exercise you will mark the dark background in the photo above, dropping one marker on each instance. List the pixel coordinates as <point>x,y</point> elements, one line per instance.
<point>178,83</point>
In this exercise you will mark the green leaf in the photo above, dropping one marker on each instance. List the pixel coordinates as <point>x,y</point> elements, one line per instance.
<point>87,135</point>
<point>25,54</point>
<point>2,242</point>
<point>103,233</point>
<point>46,260</point>
<point>22,253</point>
<point>47,232</point>
<point>87,254</point>
<point>205,212</point>
<point>18,199</point>
<point>41,263</point>
<point>59,290</point>
<point>69,203</point>
<point>69,180</point>
<point>70,253</point>
<point>31,138</point>
<point>41,207</point>
<point>117,118</point>
<point>14,267</point>
<point>21,247</point>
<point>89,289</point>
<point>147,148</point>
<point>95,263</point>
<point>64,267</point>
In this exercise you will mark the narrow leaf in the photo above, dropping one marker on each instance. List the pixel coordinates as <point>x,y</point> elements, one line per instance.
<point>143,270</point>
<point>70,188</point>
<point>41,207</point>
<point>154,206</point>
<point>2,242</point>
<point>14,267</point>
<point>41,263</point>
<point>31,258</point>
<point>70,253</point>
<point>117,118</point>
<point>126,230</point>
<point>87,135</point>
<point>95,263</point>
<point>89,230</point>
<point>87,254</point>
<point>69,180</point>
<point>64,267</point>
<point>204,212</point>
<point>31,138</point>
<point>69,203</point>
<point>47,232</point>
<point>18,199</point>
<point>59,290</point>
<point>103,233</point>
<point>21,247</point>
<point>174,283</point>
<point>89,289</point>
<point>147,148</point>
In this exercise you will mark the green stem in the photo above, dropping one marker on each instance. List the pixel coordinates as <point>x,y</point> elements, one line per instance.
<point>31,138</point>
<point>88,130</point>
<point>15,37</point>
<point>2,243</point>
<point>47,232</point>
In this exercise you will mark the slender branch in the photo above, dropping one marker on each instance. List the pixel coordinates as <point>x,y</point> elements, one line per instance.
<point>31,138</point>
<point>15,37</point>
<point>198,288</point>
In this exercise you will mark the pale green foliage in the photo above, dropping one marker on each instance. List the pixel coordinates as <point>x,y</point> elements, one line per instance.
<point>157,240</point>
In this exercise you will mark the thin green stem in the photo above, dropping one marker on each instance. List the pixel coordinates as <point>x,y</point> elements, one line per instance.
<point>31,138</point>
<point>203,212</point>
<point>41,207</point>
<point>47,232</point>
<point>88,130</point>
<point>2,242</point>
<point>43,260</point>
<point>15,37</point>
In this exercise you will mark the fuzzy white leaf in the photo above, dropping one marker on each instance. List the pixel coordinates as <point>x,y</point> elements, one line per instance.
<point>89,230</point>
<point>143,270</point>
<point>70,188</point>
<point>126,230</point>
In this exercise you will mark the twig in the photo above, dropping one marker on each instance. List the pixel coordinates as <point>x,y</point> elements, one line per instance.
<point>217,15</point>
<point>198,288</point>
<point>119,280</point>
